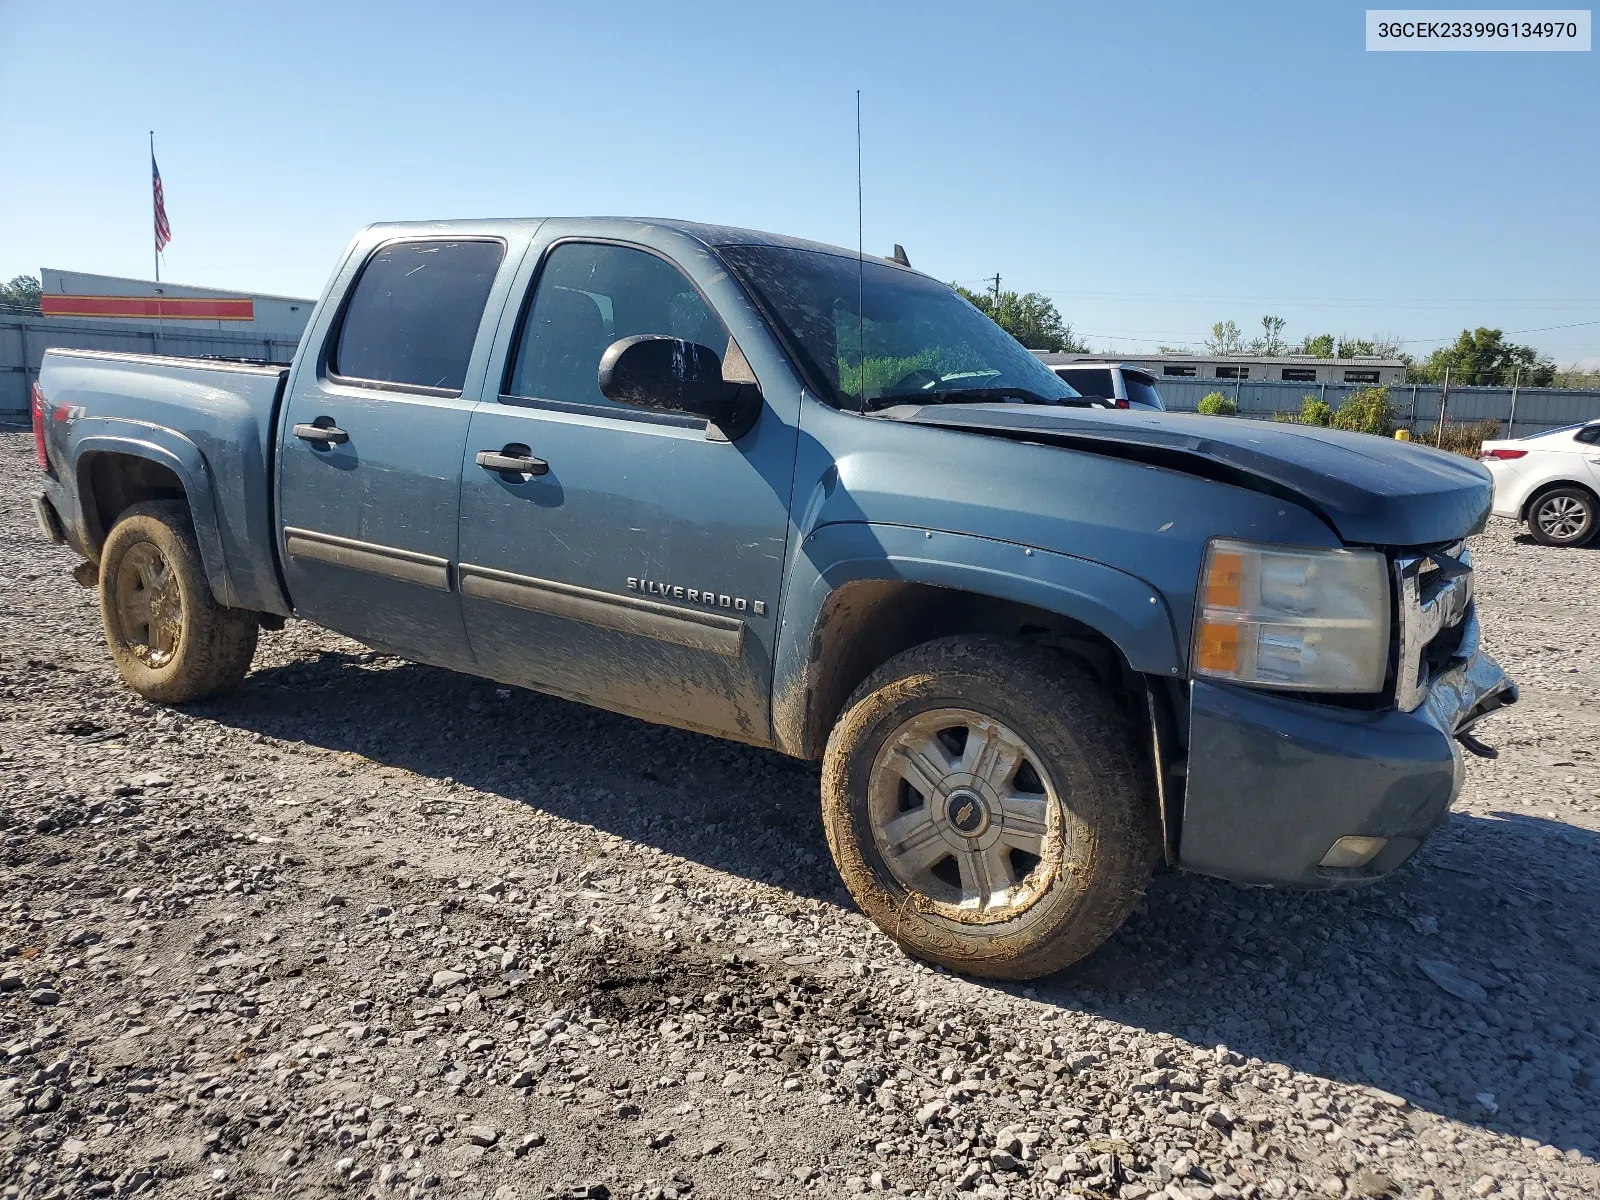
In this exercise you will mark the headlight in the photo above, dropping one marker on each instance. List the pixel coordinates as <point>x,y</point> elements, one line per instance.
<point>1315,620</point>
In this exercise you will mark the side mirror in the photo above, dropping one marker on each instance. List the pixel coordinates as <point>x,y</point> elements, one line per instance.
<point>668,374</point>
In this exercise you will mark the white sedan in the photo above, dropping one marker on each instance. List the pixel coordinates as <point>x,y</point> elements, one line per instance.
<point>1550,480</point>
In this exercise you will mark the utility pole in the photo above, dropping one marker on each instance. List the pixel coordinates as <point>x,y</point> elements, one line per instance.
<point>997,291</point>
<point>1511,424</point>
<point>1444,398</point>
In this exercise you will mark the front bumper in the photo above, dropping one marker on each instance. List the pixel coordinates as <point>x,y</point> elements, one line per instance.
<point>1274,781</point>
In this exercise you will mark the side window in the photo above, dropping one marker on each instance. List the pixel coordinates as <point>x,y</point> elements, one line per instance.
<point>1095,382</point>
<point>589,295</point>
<point>415,313</point>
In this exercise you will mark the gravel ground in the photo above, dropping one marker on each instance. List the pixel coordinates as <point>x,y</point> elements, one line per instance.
<point>372,928</point>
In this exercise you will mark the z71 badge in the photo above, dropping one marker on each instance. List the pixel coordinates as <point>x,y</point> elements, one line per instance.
<point>702,596</point>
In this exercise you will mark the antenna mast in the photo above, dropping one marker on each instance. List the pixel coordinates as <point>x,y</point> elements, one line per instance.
<point>861,255</point>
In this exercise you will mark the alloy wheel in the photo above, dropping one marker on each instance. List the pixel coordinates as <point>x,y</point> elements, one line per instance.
<point>149,605</point>
<point>964,814</point>
<point>1562,517</point>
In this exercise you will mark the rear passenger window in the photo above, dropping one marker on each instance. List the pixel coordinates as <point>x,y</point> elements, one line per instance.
<point>415,312</point>
<point>1091,383</point>
<point>589,295</point>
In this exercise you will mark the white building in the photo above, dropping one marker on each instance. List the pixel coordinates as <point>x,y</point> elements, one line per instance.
<point>144,304</point>
<point>1282,368</point>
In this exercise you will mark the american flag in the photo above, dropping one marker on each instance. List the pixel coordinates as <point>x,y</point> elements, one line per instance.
<point>163,230</point>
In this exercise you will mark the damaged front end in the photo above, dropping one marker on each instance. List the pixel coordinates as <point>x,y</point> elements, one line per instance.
<point>1438,658</point>
<point>1287,790</point>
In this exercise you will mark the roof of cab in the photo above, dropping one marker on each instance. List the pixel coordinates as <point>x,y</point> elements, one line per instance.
<point>709,235</point>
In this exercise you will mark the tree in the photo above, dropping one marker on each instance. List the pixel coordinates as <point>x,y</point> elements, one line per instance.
<point>1325,345</point>
<point>1577,379</point>
<point>1318,345</point>
<point>1271,339</point>
<point>1031,318</point>
<point>22,292</point>
<point>1225,339</point>
<point>1483,358</point>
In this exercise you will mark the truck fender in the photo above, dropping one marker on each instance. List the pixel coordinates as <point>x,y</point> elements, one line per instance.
<point>1121,607</point>
<point>105,435</point>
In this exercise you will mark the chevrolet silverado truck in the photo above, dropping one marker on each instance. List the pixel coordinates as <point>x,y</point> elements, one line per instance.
<point>778,492</point>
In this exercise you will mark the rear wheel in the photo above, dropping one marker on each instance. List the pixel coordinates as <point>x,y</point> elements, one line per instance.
<point>1563,516</point>
<point>170,639</point>
<point>987,808</point>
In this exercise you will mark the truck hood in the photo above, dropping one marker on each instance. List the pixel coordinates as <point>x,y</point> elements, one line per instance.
<point>1370,490</point>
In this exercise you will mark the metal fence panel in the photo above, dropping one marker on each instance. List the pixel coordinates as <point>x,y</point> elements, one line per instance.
<point>24,339</point>
<point>1417,405</point>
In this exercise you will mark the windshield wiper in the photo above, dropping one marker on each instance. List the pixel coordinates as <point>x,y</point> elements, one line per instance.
<point>978,396</point>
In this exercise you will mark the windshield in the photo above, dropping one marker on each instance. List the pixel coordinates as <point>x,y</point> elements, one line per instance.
<point>924,344</point>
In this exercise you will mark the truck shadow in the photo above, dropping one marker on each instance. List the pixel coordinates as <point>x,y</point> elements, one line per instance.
<point>1501,908</point>
<point>1326,983</point>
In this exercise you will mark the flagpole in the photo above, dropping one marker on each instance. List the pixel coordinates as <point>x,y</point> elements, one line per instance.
<point>154,240</point>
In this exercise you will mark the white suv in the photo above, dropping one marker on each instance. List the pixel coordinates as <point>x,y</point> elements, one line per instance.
<point>1551,480</point>
<point>1112,384</point>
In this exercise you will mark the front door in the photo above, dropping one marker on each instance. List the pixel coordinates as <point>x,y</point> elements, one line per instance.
<point>369,456</point>
<point>633,562</point>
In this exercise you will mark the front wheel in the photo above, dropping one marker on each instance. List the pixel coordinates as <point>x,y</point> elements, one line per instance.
<point>170,639</point>
<point>1563,516</point>
<point>987,808</point>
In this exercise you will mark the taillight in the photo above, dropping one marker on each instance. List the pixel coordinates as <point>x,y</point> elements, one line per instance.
<point>1503,455</point>
<point>1122,404</point>
<point>38,427</point>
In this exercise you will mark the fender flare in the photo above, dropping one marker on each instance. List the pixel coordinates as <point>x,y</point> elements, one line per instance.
<point>180,456</point>
<point>1123,608</point>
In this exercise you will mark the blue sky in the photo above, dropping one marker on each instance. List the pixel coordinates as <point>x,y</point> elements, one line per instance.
<point>1153,167</point>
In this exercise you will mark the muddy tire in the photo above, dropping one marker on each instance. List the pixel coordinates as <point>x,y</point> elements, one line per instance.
<point>1563,516</point>
<point>168,636</point>
<point>987,807</point>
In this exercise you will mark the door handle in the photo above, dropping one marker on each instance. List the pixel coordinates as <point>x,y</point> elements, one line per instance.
<point>513,459</point>
<point>329,434</point>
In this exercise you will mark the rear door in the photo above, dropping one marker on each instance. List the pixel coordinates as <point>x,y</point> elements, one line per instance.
<point>370,447</point>
<point>1588,440</point>
<point>636,565</point>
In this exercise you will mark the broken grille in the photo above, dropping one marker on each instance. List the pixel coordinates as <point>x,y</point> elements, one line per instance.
<point>1434,595</point>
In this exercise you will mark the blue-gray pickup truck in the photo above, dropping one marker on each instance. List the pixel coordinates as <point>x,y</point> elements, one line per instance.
<point>773,491</point>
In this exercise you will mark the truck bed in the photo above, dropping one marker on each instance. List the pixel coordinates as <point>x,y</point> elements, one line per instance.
<point>211,423</point>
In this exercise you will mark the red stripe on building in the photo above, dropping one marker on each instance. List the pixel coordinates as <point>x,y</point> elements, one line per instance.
<point>176,308</point>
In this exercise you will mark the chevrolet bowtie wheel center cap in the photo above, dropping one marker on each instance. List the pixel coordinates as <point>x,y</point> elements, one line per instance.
<point>967,812</point>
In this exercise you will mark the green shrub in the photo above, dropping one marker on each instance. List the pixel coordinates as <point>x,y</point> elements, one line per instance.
<point>1314,411</point>
<point>1463,437</point>
<point>1367,411</point>
<point>1215,404</point>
